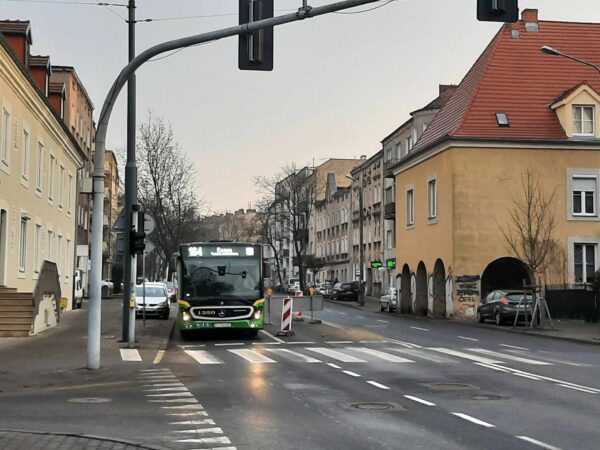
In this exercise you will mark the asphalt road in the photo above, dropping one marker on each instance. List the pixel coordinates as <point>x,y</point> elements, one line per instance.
<point>364,379</point>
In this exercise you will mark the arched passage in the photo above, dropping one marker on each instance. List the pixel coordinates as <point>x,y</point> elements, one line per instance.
<point>405,294</point>
<point>504,273</point>
<point>439,289</point>
<point>421,294</point>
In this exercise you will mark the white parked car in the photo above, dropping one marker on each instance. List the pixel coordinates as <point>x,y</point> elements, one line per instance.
<point>389,301</point>
<point>107,287</point>
<point>155,302</point>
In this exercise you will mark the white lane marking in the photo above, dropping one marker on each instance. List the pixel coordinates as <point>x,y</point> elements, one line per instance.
<point>266,343</point>
<point>191,346</point>
<point>155,370</point>
<point>149,376</point>
<point>546,358</point>
<point>275,338</point>
<point>130,354</point>
<point>377,385</point>
<point>372,342</point>
<point>335,366</point>
<point>214,430</point>
<point>252,356</point>
<point>421,355</point>
<point>405,344</point>
<point>513,346</point>
<point>226,344</point>
<point>335,355</point>
<point>533,362</point>
<point>374,326</point>
<point>379,354</point>
<point>210,440</point>
<point>473,420</point>
<point>159,356</point>
<point>164,389</point>
<point>157,385</point>
<point>464,355</point>
<point>360,317</point>
<point>488,366</point>
<point>419,328</point>
<point>203,357</point>
<point>342,313</point>
<point>295,356</point>
<point>301,343</point>
<point>189,414</point>
<point>349,372</point>
<point>530,377</point>
<point>194,422</point>
<point>172,394</point>
<point>192,407</point>
<point>419,400</point>
<point>589,391</point>
<point>384,321</point>
<point>469,338</point>
<point>538,443</point>
<point>176,400</point>
<point>339,342</point>
<point>334,325</point>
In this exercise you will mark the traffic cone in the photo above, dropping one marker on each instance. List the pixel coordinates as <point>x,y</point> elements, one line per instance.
<point>299,316</point>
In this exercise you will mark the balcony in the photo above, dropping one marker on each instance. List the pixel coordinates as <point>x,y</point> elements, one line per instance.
<point>389,212</point>
<point>387,167</point>
<point>376,208</point>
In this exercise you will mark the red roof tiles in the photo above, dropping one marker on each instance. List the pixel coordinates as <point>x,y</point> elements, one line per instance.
<point>514,77</point>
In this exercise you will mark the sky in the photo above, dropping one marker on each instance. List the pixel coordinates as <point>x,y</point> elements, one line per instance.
<point>340,83</point>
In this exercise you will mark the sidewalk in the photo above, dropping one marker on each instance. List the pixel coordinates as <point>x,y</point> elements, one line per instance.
<point>20,440</point>
<point>567,330</point>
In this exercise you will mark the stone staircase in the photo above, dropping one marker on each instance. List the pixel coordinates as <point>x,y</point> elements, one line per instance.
<point>16,313</point>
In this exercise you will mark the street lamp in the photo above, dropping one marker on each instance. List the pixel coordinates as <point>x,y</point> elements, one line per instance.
<point>554,52</point>
<point>361,252</point>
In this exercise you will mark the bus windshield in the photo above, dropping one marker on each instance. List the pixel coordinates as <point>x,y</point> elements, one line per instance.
<point>221,278</point>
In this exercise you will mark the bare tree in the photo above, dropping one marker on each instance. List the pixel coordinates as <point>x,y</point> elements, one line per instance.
<point>266,229</point>
<point>167,188</point>
<point>292,192</point>
<point>529,233</point>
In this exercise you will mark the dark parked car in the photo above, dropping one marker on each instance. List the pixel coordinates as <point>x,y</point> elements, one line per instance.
<point>501,306</point>
<point>345,291</point>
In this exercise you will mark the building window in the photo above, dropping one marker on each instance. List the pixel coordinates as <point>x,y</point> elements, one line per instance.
<point>410,207</point>
<point>60,264</point>
<point>70,188</point>
<point>432,194</point>
<point>51,165</point>
<point>389,239</point>
<point>61,187</point>
<point>5,142</point>
<point>585,262</point>
<point>37,248</point>
<point>584,196</point>
<point>25,156</point>
<point>39,176</point>
<point>49,246</point>
<point>23,245</point>
<point>409,143</point>
<point>583,120</point>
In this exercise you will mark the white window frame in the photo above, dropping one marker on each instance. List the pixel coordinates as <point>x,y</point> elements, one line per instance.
<point>432,199</point>
<point>70,188</point>
<point>582,240</point>
<point>61,187</point>
<point>584,262</point>
<point>582,173</point>
<point>410,206</point>
<point>39,175</point>
<point>25,154</point>
<point>582,107</point>
<point>5,148</point>
<point>37,249</point>
<point>23,245</point>
<point>582,196</point>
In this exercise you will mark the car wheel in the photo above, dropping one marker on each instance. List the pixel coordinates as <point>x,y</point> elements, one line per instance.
<point>480,318</point>
<point>166,316</point>
<point>381,308</point>
<point>498,318</point>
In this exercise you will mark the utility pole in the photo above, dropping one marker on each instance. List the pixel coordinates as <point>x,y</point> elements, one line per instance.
<point>95,311</point>
<point>361,251</point>
<point>129,258</point>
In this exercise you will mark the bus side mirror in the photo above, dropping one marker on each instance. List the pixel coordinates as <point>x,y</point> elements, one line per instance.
<point>266,270</point>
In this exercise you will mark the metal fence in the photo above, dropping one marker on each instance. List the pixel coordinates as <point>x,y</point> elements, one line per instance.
<point>579,304</point>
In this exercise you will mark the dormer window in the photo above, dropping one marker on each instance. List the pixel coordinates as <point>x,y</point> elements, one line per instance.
<point>583,120</point>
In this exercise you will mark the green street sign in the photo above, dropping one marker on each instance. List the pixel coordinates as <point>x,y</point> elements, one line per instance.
<point>390,263</point>
<point>376,264</point>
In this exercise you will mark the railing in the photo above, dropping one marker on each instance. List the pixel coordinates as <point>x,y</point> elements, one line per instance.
<point>387,167</point>
<point>580,304</point>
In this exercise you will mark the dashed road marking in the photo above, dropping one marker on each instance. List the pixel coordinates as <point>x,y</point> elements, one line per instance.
<point>513,346</point>
<point>275,338</point>
<point>420,329</point>
<point>419,400</point>
<point>335,366</point>
<point>473,420</point>
<point>301,343</point>
<point>339,342</point>
<point>538,443</point>
<point>159,356</point>
<point>469,338</point>
<point>334,325</point>
<point>225,344</point>
<point>377,385</point>
<point>384,321</point>
<point>349,372</point>
<point>510,357</point>
<point>130,354</point>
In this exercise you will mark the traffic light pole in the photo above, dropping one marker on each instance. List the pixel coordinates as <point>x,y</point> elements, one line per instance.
<point>93,356</point>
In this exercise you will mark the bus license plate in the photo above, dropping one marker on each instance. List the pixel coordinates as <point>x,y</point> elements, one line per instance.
<point>222,325</point>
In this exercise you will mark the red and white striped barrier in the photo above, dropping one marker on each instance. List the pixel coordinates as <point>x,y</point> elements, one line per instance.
<point>299,316</point>
<point>286,317</point>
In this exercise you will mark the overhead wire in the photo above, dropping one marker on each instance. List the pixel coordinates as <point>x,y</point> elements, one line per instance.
<point>65,2</point>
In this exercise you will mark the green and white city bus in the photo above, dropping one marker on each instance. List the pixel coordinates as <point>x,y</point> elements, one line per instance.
<point>221,285</point>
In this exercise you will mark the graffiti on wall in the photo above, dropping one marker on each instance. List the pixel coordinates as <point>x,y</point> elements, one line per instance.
<point>467,294</point>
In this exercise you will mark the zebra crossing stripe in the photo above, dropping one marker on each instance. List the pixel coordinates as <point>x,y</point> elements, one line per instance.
<point>208,440</point>
<point>510,357</point>
<point>203,357</point>
<point>252,356</point>
<point>381,355</point>
<point>294,355</point>
<point>130,354</point>
<point>215,430</point>
<point>336,355</point>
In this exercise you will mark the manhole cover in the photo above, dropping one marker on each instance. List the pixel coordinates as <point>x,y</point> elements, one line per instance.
<point>487,397</point>
<point>90,400</point>
<point>372,406</point>
<point>450,386</point>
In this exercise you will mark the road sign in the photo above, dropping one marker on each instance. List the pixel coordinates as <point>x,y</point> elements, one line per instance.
<point>119,224</point>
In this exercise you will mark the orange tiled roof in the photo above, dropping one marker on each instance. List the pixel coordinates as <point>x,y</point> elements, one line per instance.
<point>514,77</point>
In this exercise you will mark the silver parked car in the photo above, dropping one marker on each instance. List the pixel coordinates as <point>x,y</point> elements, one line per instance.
<point>389,301</point>
<point>155,303</point>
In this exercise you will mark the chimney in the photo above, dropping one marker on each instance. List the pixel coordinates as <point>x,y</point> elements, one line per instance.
<point>40,69</point>
<point>17,34</point>
<point>363,157</point>
<point>514,30</point>
<point>56,96</point>
<point>530,17</point>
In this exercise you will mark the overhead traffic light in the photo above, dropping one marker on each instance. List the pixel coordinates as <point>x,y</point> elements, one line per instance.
<point>137,239</point>
<point>498,10</point>
<point>255,50</point>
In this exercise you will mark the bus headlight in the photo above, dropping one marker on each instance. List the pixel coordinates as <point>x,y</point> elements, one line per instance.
<point>187,316</point>
<point>257,314</point>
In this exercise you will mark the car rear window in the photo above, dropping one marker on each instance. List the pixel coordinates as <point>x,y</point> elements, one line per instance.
<point>347,285</point>
<point>516,296</point>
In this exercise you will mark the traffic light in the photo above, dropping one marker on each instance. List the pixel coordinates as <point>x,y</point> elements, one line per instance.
<point>255,50</point>
<point>137,239</point>
<point>498,10</point>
